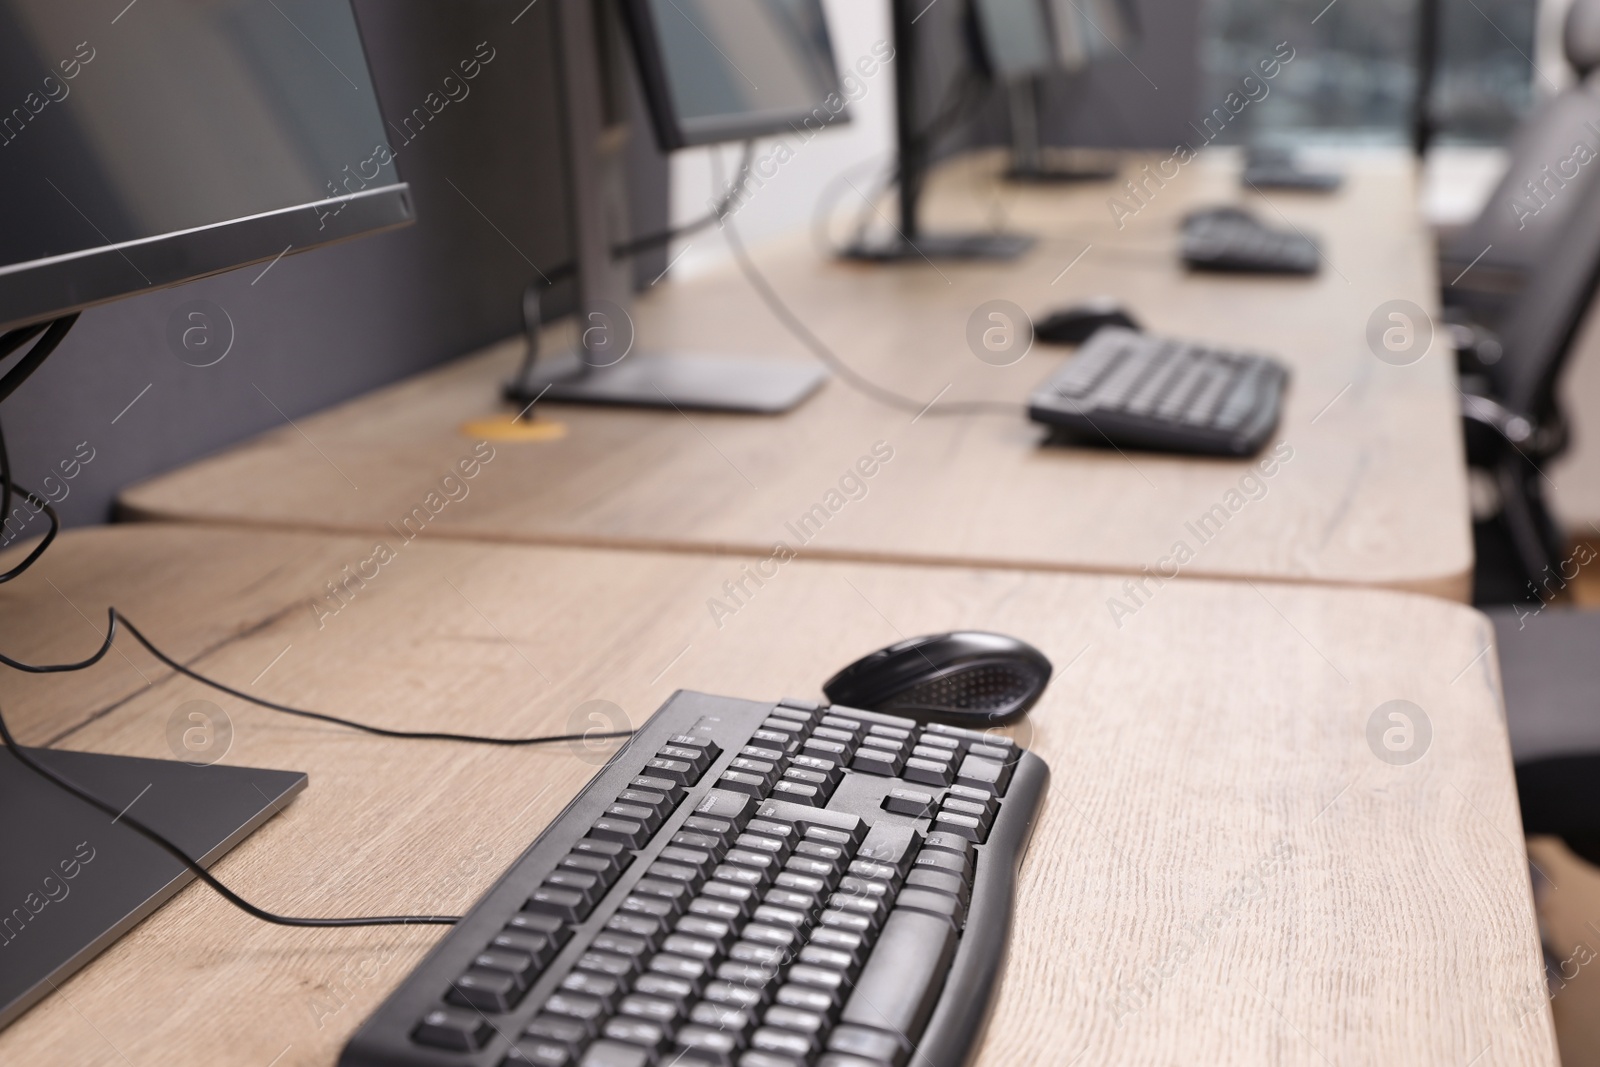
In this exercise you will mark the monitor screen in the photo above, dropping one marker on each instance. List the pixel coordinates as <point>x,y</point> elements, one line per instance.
<point>716,70</point>
<point>1016,37</point>
<point>145,144</point>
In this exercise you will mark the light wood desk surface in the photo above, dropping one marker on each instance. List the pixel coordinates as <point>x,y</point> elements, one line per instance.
<point>1224,872</point>
<point>1375,493</point>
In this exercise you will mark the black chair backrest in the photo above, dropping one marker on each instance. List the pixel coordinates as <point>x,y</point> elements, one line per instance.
<point>1542,323</point>
<point>1518,224</point>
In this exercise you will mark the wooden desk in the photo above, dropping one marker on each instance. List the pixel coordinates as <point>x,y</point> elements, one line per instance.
<point>1223,873</point>
<point>1375,493</point>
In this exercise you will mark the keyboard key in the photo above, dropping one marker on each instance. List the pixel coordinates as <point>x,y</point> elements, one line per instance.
<point>665,987</point>
<point>586,885</point>
<point>823,956</point>
<point>746,974</point>
<point>646,1035</point>
<point>453,1029</point>
<point>735,994</point>
<point>943,842</point>
<point>927,772</point>
<point>817,999</point>
<point>486,990</point>
<point>912,802</point>
<point>612,853</point>
<point>651,1009</point>
<point>577,1007</point>
<point>615,1054</point>
<point>621,944</point>
<point>749,783</point>
<point>769,1059</point>
<point>783,936</point>
<point>628,832</point>
<point>567,904</point>
<point>799,1020</point>
<point>877,761</point>
<point>561,1030</point>
<point>697,1045</point>
<point>890,845</point>
<point>672,790</point>
<point>532,1052</point>
<point>841,941</point>
<point>938,859</point>
<point>675,893</point>
<point>538,948</point>
<point>944,905</point>
<point>939,881</point>
<point>683,873</point>
<point>673,770</point>
<point>900,983</point>
<point>799,793</point>
<point>867,1043</point>
<point>604,988</point>
<point>690,970</point>
<point>692,755</point>
<point>636,921</point>
<point>987,774</point>
<point>784,1042</point>
<point>735,893</point>
<point>947,821</point>
<point>610,964</point>
<point>723,830</point>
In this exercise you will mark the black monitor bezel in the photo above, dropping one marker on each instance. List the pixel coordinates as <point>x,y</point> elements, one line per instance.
<point>43,289</point>
<point>673,133</point>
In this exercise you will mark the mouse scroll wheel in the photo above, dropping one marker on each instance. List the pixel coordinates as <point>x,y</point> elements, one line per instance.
<point>989,687</point>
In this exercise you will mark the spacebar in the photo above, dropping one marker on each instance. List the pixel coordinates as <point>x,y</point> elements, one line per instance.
<point>900,983</point>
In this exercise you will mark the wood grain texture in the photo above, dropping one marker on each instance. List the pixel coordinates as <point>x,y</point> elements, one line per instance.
<point>1375,493</point>
<point>1223,871</point>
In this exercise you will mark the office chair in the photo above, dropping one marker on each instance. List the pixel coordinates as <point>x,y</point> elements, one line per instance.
<point>1550,676</point>
<point>1540,179</point>
<point>1513,421</point>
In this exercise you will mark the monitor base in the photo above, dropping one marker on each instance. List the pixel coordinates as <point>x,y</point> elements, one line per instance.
<point>671,380</point>
<point>943,246</point>
<point>55,847</point>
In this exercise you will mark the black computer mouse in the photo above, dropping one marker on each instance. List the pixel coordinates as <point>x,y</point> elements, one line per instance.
<point>968,678</point>
<point>1076,324</point>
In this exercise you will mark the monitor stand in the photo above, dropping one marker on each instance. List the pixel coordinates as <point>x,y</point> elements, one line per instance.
<point>1028,162</point>
<point>72,881</point>
<point>591,60</point>
<point>607,371</point>
<point>909,243</point>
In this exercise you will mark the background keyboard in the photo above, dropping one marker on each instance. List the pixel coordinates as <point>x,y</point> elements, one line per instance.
<point>1240,244</point>
<point>744,884</point>
<point>1134,390</point>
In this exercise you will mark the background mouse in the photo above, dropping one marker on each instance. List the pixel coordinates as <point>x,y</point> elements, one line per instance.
<point>968,678</point>
<point>1076,324</point>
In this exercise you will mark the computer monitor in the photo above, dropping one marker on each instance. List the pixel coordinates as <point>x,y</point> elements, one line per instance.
<point>1082,32</point>
<point>712,71</point>
<point>1001,22</point>
<point>211,134</point>
<point>187,138</point>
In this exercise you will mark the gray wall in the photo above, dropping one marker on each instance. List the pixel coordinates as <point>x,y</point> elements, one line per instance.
<point>332,323</point>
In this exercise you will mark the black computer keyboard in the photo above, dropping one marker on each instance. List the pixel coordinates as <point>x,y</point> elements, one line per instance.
<point>744,884</point>
<point>1131,389</point>
<point>1234,241</point>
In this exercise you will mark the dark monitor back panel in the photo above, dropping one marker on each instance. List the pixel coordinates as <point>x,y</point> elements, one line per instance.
<point>124,143</point>
<point>72,881</point>
<point>715,71</point>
